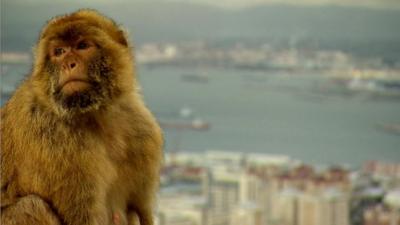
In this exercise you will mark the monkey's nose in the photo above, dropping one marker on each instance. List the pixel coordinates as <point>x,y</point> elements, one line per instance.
<point>72,65</point>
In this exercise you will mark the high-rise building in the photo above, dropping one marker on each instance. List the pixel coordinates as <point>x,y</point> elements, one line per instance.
<point>253,188</point>
<point>285,207</point>
<point>246,214</point>
<point>222,194</point>
<point>182,210</point>
<point>330,207</point>
<point>295,207</point>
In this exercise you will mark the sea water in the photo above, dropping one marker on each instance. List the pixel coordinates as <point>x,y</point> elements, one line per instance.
<point>260,111</point>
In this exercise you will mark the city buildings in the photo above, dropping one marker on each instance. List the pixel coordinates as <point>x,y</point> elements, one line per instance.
<point>231,188</point>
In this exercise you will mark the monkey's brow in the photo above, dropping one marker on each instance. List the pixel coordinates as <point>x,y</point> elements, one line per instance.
<point>69,33</point>
<point>63,39</point>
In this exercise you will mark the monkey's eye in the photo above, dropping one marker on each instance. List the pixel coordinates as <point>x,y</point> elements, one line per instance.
<point>82,45</point>
<point>58,51</point>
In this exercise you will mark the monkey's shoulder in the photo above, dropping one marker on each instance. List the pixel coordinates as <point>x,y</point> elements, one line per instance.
<point>132,132</point>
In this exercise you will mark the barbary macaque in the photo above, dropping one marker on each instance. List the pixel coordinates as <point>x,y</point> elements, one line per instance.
<point>78,144</point>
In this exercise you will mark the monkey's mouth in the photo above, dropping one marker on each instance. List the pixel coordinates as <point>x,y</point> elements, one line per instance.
<point>74,85</point>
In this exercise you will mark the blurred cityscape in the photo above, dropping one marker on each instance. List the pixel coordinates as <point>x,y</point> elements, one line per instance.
<point>291,56</point>
<point>228,188</point>
<point>231,188</point>
<point>354,73</point>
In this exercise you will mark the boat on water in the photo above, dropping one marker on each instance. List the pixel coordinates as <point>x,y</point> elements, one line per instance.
<point>373,84</point>
<point>196,124</point>
<point>195,78</point>
<point>391,128</point>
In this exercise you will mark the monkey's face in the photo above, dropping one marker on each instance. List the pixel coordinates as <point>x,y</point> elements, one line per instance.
<point>83,62</point>
<point>71,61</point>
<point>79,74</point>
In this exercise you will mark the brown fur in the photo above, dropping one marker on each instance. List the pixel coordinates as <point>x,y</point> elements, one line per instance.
<point>29,210</point>
<point>85,164</point>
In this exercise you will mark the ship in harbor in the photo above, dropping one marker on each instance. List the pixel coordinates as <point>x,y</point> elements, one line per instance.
<point>195,78</point>
<point>371,84</point>
<point>372,80</point>
<point>390,128</point>
<point>196,124</point>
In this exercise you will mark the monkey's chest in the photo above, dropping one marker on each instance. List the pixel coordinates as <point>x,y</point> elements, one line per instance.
<point>86,175</point>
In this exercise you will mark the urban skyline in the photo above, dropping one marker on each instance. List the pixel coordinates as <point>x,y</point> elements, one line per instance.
<point>230,188</point>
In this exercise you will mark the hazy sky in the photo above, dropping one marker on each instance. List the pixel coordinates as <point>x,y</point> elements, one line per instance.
<point>237,4</point>
<point>247,3</point>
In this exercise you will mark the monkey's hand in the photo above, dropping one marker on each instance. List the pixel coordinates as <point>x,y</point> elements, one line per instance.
<point>28,210</point>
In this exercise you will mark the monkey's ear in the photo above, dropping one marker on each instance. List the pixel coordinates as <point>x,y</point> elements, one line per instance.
<point>122,38</point>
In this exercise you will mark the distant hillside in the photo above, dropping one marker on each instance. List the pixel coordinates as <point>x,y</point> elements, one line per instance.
<point>366,31</point>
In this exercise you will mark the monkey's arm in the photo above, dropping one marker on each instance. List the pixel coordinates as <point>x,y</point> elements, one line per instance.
<point>28,210</point>
<point>8,190</point>
<point>16,210</point>
<point>141,202</point>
